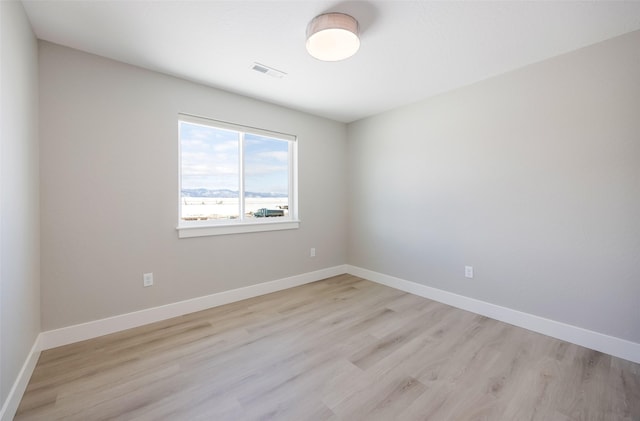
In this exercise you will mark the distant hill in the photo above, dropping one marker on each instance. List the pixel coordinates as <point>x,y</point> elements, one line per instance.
<point>225,193</point>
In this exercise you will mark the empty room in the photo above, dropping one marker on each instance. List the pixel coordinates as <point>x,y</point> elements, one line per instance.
<point>315,210</point>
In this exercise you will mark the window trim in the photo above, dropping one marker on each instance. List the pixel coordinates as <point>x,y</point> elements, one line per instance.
<point>245,227</point>
<point>189,229</point>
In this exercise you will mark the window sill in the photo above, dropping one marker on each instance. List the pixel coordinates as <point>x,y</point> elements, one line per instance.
<point>208,230</point>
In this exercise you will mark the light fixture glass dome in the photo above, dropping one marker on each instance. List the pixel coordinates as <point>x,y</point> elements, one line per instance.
<point>333,37</point>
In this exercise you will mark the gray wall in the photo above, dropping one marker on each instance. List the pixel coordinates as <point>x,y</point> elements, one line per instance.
<point>109,164</point>
<point>532,177</point>
<point>19,208</point>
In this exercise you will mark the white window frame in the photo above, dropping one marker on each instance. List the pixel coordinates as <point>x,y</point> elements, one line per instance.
<point>188,229</point>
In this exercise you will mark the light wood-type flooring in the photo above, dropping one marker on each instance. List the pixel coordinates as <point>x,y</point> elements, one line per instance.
<point>338,349</point>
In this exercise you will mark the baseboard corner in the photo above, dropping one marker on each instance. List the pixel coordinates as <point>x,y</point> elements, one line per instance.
<point>10,405</point>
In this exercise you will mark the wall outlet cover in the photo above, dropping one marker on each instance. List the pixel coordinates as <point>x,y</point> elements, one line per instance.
<point>468,271</point>
<point>147,279</point>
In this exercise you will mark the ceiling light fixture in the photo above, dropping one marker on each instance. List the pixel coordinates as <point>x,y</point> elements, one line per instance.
<point>332,37</point>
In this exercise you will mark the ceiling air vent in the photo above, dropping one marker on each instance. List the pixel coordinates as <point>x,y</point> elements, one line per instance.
<point>268,70</point>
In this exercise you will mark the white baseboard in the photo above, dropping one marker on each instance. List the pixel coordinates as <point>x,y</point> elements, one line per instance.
<point>608,344</point>
<point>50,339</point>
<point>93,329</point>
<point>12,402</point>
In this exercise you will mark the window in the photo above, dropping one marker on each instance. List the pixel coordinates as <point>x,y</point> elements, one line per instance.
<point>234,178</point>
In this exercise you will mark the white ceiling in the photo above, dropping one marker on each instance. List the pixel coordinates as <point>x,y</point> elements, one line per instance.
<point>410,50</point>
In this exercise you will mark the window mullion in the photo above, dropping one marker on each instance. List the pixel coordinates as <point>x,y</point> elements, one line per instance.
<point>292,200</point>
<point>241,191</point>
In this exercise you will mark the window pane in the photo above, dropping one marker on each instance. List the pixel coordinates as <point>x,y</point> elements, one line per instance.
<point>210,172</point>
<point>266,172</point>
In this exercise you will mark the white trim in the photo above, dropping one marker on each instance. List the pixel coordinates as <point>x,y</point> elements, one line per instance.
<point>93,329</point>
<point>185,231</point>
<point>12,402</point>
<point>235,127</point>
<point>600,342</point>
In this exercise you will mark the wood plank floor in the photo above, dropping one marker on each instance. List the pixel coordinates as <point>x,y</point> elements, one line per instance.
<point>339,349</point>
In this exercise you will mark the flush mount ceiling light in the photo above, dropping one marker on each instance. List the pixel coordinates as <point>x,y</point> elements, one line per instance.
<point>332,37</point>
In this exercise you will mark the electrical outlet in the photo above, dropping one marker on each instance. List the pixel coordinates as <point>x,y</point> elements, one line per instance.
<point>147,279</point>
<point>312,252</point>
<point>468,271</point>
